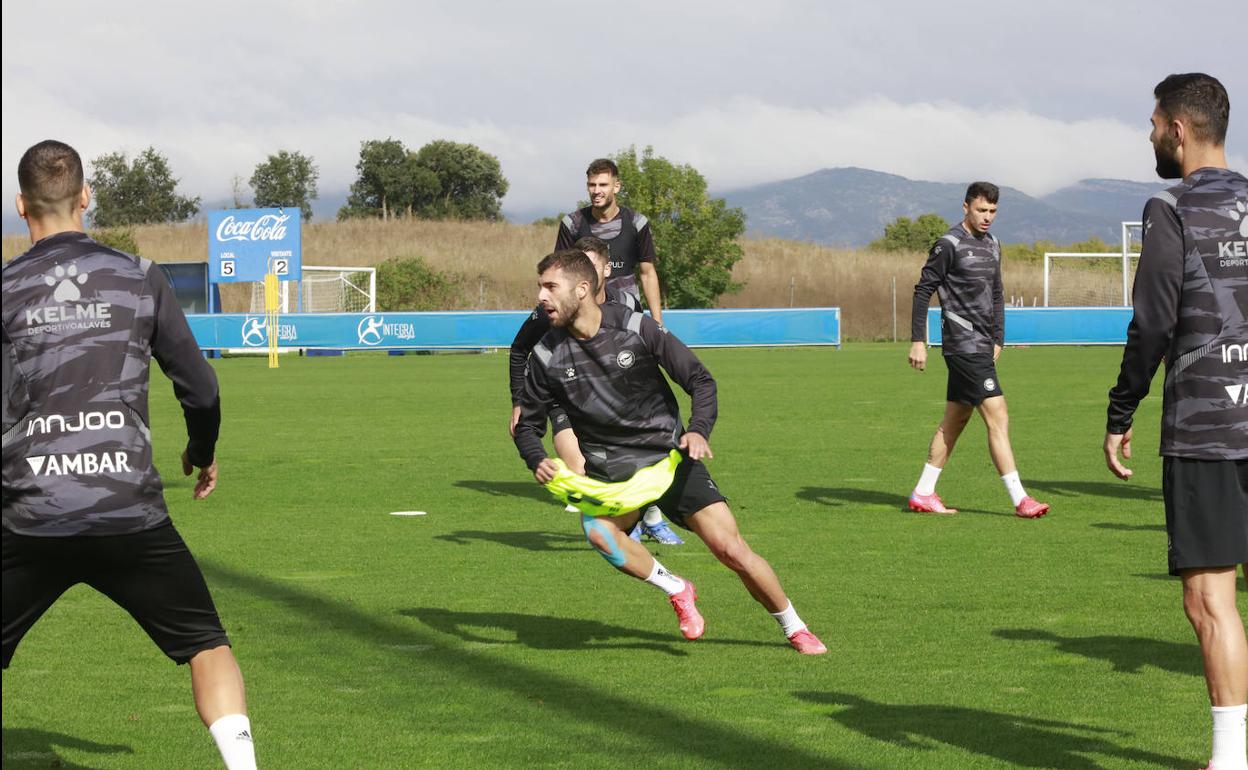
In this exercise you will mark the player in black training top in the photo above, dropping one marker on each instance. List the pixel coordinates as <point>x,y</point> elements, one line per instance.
<point>82,500</point>
<point>531,331</point>
<point>626,233</point>
<point>1191,303</point>
<point>965,267</point>
<point>604,366</point>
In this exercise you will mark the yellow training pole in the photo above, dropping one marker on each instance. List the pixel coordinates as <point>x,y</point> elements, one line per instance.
<point>271,306</point>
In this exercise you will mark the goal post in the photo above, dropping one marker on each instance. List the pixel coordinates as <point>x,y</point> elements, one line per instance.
<point>1096,279</point>
<point>327,289</point>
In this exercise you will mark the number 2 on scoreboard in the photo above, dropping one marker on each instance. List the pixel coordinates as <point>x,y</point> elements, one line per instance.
<point>281,266</point>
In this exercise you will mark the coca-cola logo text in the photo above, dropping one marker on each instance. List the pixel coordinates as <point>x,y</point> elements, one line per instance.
<point>269,227</point>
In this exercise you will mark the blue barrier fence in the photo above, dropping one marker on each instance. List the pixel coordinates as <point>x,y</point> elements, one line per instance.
<point>496,329</point>
<point>1054,325</point>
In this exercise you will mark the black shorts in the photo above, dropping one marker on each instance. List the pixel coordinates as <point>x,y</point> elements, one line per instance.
<point>692,490</point>
<point>972,378</point>
<point>151,575</point>
<point>1206,512</point>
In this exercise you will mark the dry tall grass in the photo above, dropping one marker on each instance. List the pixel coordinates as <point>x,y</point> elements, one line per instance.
<point>496,262</point>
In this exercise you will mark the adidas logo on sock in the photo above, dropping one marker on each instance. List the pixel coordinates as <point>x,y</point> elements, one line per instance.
<point>245,735</point>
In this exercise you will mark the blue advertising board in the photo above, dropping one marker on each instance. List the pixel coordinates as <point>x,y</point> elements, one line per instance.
<point>1054,325</point>
<point>496,329</point>
<point>243,244</point>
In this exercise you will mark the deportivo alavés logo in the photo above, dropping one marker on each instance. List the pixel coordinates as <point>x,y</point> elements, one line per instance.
<point>63,278</point>
<point>990,384</point>
<point>625,359</point>
<point>71,314</point>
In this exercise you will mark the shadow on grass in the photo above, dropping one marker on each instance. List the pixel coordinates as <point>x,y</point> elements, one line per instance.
<point>540,632</point>
<point>1130,527</point>
<point>839,496</point>
<point>529,489</point>
<point>669,732</point>
<point>1119,490</point>
<point>25,747</point>
<point>528,541</point>
<point>1020,741</point>
<point>1128,654</point>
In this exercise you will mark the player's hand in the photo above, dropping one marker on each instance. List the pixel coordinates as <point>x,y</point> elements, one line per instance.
<point>545,471</point>
<point>1113,443</point>
<point>996,352</point>
<point>696,446</point>
<point>515,418</point>
<point>207,480</point>
<point>918,355</point>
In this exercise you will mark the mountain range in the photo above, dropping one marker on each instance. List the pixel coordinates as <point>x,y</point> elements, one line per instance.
<point>851,206</point>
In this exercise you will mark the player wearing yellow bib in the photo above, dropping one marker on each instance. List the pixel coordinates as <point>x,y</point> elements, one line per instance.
<point>604,365</point>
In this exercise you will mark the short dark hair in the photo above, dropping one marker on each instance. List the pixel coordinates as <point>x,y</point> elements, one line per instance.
<point>603,166</point>
<point>986,190</point>
<point>574,263</point>
<point>596,245</point>
<point>50,177</point>
<point>1199,98</point>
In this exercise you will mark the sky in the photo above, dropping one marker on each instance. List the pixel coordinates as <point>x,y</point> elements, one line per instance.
<point>1031,95</point>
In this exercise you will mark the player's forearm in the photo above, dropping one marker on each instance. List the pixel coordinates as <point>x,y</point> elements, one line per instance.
<point>202,429</point>
<point>650,285</point>
<point>529,443</point>
<point>918,313</point>
<point>515,373</point>
<point>1140,358</point>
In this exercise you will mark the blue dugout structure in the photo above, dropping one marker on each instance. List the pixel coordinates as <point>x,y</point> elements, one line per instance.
<point>1054,325</point>
<point>474,330</point>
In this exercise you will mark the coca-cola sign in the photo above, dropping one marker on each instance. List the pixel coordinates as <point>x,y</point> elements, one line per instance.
<point>270,227</point>
<point>247,244</point>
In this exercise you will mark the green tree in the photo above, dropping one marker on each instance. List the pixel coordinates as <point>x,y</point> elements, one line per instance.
<point>695,235</point>
<point>903,234</point>
<point>411,284</point>
<point>286,180</point>
<point>136,193</point>
<point>388,182</point>
<point>471,180</point>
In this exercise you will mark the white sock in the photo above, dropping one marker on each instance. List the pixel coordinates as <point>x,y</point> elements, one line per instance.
<point>571,509</point>
<point>789,622</point>
<point>669,583</point>
<point>1228,737</point>
<point>1015,487</point>
<point>927,481</point>
<point>652,516</point>
<point>233,736</point>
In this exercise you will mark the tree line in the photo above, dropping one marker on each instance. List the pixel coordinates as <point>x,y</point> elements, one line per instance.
<point>695,235</point>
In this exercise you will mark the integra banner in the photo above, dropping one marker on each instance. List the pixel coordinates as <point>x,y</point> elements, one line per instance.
<point>470,330</point>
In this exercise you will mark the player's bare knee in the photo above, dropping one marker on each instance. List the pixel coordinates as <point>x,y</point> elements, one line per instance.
<point>735,554</point>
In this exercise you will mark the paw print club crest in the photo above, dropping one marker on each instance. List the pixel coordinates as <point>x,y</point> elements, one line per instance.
<point>64,278</point>
<point>1240,214</point>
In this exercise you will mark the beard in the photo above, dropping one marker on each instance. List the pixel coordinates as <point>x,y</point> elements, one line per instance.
<point>1167,164</point>
<point>566,308</point>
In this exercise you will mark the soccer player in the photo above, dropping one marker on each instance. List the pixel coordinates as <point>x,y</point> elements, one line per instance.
<point>1191,297</point>
<point>602,365</point>
<point>82,500</point>
<point>531,331</point>
<point>965,267</point>
<point>626,232</point>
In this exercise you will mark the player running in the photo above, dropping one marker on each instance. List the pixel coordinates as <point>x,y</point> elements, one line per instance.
<point>82,500</point>
<point>602,365</point>
<point>965,267</point>
<point>531,331</point>
<point>1191,299</point>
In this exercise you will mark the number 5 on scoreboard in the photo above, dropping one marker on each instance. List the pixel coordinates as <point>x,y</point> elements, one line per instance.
<point>227,267</point>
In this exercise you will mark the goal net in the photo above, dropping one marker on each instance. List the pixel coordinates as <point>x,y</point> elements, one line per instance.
<point>1100,279</point>
<point>326,290</point>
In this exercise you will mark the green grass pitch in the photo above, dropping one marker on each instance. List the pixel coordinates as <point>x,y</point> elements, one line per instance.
<point>488,635</point>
